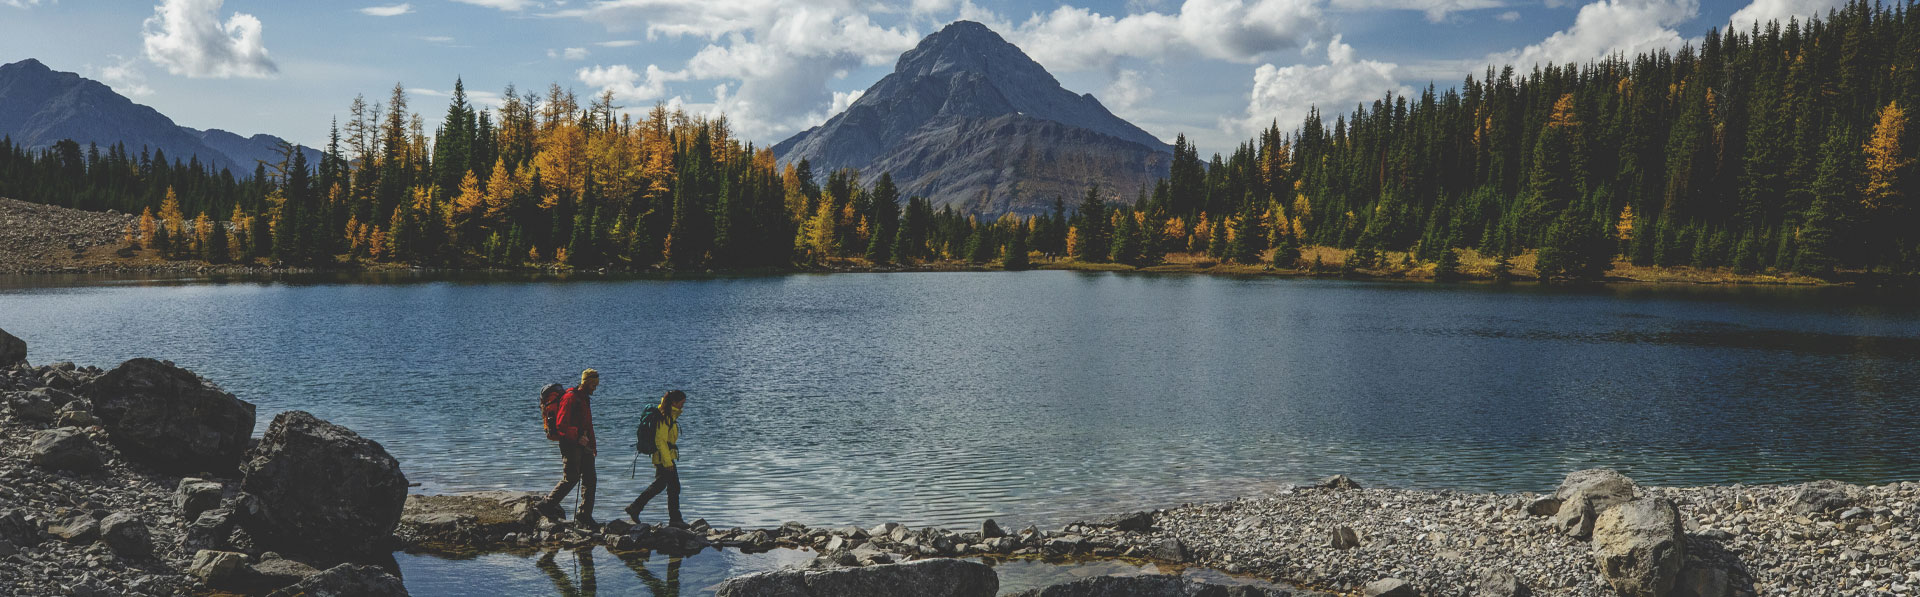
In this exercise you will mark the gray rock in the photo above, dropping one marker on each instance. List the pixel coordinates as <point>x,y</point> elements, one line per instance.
<point>210,530</point>
<point>1170,550</point>
<point>1497,583</point>
<point>1822,496</point>
<point>1603,487</point>
<point>169,418</point>
<point>194,496</point>
<point>1586,494</point>
<point>1337,482</point>
<point>274,573</point>
<point>1575,516</point>
<point>33,406</point>
<point>925,578</point>
<point>676,541</point>
<point>72,417</point>
<point>990,529</point>
<point>1545,505</point>
<point>17,529</point>
<point>81,528</point>
<point>346,580</point>
<point>1134,522</point>
<point>1639,547</point>
<point>321,489</point>
<point>216,567</point>
<point>1389,587</point>
<point>617,526</point>
<point>13,351</point>
<point>1343,537</point>
<point>126,534</point>
<point>63,449</point>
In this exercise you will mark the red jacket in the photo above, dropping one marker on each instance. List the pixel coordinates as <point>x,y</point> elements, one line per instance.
<point>575,422</point>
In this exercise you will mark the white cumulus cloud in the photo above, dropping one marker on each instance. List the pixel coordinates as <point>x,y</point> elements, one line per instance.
<point>1072,38</point>
<point>1284,94</point>
<point>1762,11</point>
<point>187,37</point>
<point>771,58</point>
<point>508,5</point>
<point>628,85</point>
<point>124,76</point>
<point>387,11</point>
<point>1606,27</point>
<point>1126,91</point>
<point>1437,10</point>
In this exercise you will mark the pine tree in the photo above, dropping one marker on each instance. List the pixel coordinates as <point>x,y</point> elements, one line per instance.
<point>1016,257</point>
<point>1827,222</point>
<point>1126,241</point>
<point>885,220</point>
<point>1447,268</point>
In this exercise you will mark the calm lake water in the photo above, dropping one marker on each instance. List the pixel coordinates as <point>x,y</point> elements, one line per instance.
<point>1042,397</point>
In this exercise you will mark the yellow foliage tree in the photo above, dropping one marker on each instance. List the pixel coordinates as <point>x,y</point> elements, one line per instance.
<point>147,226</point>
<point>170,215</point>
<point>1885,161</point>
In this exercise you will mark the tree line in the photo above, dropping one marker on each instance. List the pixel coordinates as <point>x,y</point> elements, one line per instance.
<point>1780,148</point>
<point>1784,147</point>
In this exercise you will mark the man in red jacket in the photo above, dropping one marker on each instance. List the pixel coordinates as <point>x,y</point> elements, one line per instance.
<point>577,446</point>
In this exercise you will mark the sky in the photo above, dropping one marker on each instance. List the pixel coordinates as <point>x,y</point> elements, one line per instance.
<point>1214,70</point>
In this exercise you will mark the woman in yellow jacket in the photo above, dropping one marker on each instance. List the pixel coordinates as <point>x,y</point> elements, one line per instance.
<point>666,450</point>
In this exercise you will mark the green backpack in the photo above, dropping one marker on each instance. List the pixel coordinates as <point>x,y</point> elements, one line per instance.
<point>643,437</point>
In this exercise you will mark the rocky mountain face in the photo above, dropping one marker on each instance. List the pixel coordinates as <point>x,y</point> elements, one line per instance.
<point>40,106</point>
<point>968,120</point>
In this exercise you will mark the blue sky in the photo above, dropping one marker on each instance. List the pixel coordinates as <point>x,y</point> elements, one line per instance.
<point>1212,69</point>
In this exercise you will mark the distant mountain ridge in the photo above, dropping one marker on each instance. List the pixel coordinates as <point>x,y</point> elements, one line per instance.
<point>966,119</point>
<point>40,106</point>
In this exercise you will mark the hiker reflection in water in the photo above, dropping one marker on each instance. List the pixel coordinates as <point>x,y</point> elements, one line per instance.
<point>660,587</point>
<point>583,562</point>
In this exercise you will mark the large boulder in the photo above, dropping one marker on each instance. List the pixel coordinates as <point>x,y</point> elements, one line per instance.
<point>64,449</point>
<point>925,578</point>
<point>1584,495</point>
<point>1150,585</point>
<point>317,488</point>
<point>346,580</point>
<point>1640,547</point>
<point>1389,587</point>
<point>169,418</point>
<point>13,351</point>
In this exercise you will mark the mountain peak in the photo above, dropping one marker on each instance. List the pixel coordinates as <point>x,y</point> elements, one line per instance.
<point>968,119</point>
<point>969,46</point>
<point>28,64</point>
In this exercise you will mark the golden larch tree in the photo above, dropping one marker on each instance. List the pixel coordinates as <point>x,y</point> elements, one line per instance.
<point>1885,161</point>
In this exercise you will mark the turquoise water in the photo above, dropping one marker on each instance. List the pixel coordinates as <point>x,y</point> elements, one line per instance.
<point>1042,397</point>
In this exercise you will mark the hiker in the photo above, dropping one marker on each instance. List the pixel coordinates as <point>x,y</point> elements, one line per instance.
<point>574,426</point>
<point>659,434</point>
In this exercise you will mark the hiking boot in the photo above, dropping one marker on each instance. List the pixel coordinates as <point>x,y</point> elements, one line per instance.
<point>633,513</point>
<point>679,524</point>
<point>585,519</point>
<point>551,510</point>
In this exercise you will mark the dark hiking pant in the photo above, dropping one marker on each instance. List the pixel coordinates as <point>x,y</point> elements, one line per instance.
<point>665,478</point>
<point>578,462</point>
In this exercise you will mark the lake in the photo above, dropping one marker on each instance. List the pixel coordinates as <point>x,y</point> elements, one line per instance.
<point>1041,397</point>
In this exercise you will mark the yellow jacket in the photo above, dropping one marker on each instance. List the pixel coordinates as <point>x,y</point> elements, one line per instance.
<point>666,438</point>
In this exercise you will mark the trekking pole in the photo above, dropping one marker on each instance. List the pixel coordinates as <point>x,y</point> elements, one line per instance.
<point>635,467</point>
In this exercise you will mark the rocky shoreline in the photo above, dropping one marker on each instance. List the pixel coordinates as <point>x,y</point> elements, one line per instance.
<point>144,480</point>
